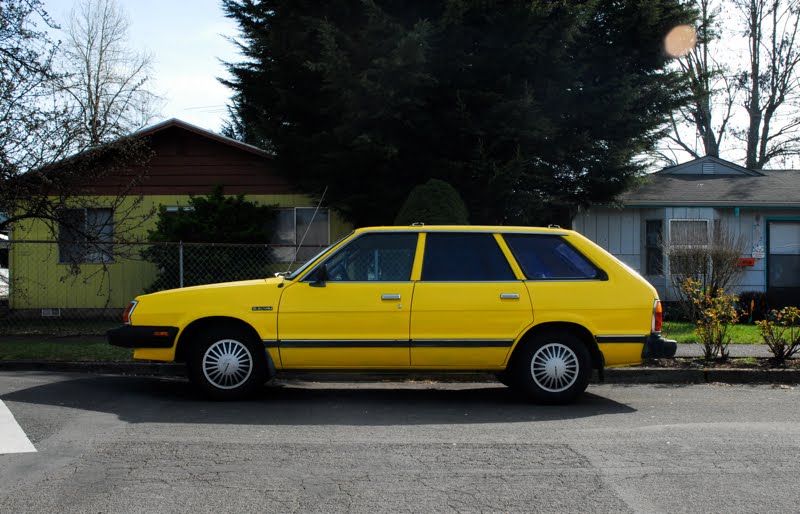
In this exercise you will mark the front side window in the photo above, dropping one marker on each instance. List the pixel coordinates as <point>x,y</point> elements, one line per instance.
<point>543,257</point>
<point>85,236</point>
<point>464,257</point>
<point>303,231</point>
<point>386,257</point>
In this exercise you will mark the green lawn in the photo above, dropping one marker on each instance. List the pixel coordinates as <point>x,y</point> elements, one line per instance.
<point>41,348</point>
<point>683,332</point>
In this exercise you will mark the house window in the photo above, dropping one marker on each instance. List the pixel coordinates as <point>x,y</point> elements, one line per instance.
<point>654,253</point>
<point>301,230</point>
<point>172,209</point>
<point>688,232</point>
<point>85,236</point>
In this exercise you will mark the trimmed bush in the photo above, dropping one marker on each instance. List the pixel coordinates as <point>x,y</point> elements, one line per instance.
<point>433,203</point>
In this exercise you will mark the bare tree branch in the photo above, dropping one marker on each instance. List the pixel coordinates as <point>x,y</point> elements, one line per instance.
<point>106,82</point>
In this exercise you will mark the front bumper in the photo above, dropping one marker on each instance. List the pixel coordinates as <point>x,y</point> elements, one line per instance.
<point>656,347</point>
<point>130,336</point>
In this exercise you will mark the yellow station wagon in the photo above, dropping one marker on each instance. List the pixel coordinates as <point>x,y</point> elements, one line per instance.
<point>540,307</point>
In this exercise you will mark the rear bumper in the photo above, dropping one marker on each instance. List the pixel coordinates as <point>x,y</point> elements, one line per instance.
<point>129,336</point>
<point>656,347</point>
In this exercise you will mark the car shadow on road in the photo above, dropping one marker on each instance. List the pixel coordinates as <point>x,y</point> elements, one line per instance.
<point>160,400</point>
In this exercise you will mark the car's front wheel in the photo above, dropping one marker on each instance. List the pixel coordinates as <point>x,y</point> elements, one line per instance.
<point>553,367</point>
<point>227,364</point>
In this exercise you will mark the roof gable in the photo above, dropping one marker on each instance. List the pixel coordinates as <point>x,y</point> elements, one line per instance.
<point>708,166</point>
<point>176,123</point>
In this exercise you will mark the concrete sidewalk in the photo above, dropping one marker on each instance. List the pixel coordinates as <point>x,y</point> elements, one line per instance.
<point>736,350</point>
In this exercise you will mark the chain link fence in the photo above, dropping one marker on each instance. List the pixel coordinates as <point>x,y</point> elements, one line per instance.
<point>49,289</point>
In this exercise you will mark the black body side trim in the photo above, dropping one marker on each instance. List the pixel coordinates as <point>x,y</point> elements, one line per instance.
<point>621,339</point>
<point>341,344</point>
<point>461,343</point>
<point>446,343</point>
<point>130,336</point>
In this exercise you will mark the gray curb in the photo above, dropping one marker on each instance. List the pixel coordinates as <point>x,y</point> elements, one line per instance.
<point>632,375</point>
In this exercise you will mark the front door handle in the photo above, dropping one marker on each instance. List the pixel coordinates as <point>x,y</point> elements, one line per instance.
<point>509,296</point>
<point>394,297</point>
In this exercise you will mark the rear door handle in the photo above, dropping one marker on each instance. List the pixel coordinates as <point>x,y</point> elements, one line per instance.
<point>509,296</point>
<point>390,297</point>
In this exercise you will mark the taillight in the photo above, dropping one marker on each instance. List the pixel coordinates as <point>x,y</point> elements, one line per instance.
<point>658,317</point>
<point>126,314</point>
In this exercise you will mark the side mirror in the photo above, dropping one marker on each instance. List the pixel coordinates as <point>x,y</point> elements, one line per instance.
<point>320,277</point>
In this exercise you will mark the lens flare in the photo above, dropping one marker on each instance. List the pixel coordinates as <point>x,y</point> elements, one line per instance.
<point>680,40</point>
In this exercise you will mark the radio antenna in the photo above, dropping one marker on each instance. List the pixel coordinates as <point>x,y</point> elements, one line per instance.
<point>313,216</point>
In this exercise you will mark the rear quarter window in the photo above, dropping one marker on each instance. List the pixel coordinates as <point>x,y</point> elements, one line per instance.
<point>544,257</point>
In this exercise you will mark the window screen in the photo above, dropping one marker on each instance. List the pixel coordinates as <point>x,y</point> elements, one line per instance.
<point>550,257</point>
<point>464,257</point>
<point>688,232</point>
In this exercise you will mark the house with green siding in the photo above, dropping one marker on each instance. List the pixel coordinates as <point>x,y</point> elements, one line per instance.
<point>48,276</point>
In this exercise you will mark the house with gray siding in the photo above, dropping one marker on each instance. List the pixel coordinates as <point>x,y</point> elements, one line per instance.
<point>760,208</point>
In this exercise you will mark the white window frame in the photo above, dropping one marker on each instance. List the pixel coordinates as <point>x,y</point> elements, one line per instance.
<point>709,227</point>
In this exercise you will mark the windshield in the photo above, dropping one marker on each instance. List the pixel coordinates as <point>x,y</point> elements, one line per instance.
<point>299,271</point>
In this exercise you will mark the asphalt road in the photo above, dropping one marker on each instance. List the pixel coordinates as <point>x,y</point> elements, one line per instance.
<point>132,444</point>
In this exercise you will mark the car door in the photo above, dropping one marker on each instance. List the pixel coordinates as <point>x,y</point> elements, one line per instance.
<point>468,306</point>
<point>352,310</point>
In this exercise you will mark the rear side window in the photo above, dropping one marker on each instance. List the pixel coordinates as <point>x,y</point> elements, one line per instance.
<point>550,257</point>
<point>464,257</point>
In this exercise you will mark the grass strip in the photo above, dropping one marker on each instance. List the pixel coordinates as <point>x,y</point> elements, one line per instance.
<point>79,348</point>
<point>683,332</point>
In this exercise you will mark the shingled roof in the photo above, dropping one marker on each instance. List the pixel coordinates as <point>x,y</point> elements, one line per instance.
<point>711,182</point>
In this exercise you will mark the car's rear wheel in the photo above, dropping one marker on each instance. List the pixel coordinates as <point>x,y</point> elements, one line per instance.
<point>227,364</point>
<point>553,367</point>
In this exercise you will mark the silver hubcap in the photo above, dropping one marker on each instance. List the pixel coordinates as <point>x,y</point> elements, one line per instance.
<point>227,364</point>
<point>554,367</point>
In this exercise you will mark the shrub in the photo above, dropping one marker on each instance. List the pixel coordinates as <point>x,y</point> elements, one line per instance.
<point>781,332</point>
<point>225,224</point>
<point>434,203</point>
<point>715,315</point>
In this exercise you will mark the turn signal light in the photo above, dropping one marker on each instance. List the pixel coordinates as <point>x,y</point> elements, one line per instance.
<point>658,316</point>
<point>161,333</point>
<point>126,314</point>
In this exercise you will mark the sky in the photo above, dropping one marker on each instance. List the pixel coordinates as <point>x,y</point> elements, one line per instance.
<point>187,41</point>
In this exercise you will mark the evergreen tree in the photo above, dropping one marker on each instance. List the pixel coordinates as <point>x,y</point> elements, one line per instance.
<point>530,109</point>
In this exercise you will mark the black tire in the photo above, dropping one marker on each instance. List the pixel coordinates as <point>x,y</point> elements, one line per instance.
<point>553,368</point>
<point>226,363</point>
